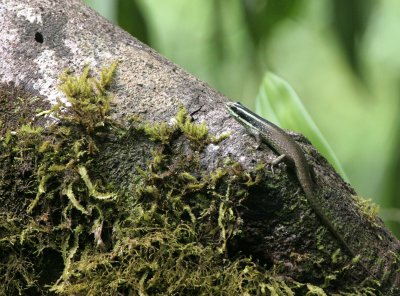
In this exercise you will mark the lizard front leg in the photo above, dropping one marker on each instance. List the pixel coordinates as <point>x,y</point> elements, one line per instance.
<point>277,161</point>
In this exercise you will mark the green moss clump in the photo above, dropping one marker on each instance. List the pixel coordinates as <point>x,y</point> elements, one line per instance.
<point>64,198</point>
<point>368,207</point>
<point>159,132</point>
<point>88,103</point>
<point>196,133</point>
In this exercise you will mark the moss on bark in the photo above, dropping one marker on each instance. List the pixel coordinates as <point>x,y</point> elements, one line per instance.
<point>72,228</point>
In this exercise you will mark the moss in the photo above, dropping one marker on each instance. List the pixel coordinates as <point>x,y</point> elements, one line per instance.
<point>168,234</point>
<point>159,132</point>
<point>18,107</point>
<point>196,133</point>
<point>53,168</point>
<point>368,207</point>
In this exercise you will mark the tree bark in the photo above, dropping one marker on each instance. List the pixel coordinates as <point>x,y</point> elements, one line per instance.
<point>40,39</point>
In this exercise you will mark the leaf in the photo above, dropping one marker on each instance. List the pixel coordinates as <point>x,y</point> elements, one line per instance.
<point>262,17</point>
<point>131,18</point>
<point>279,103</point>
<point>349,21</point>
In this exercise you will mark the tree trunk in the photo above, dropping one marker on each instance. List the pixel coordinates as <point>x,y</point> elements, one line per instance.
<point>270,242</point>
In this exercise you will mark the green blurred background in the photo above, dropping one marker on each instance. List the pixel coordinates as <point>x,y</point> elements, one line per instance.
<point>341,57</point>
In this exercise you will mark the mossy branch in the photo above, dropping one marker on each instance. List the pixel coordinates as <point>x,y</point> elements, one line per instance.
<point>166,233</point>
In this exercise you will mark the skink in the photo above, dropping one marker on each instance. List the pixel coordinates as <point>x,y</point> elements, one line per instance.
<point>291,153</point>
